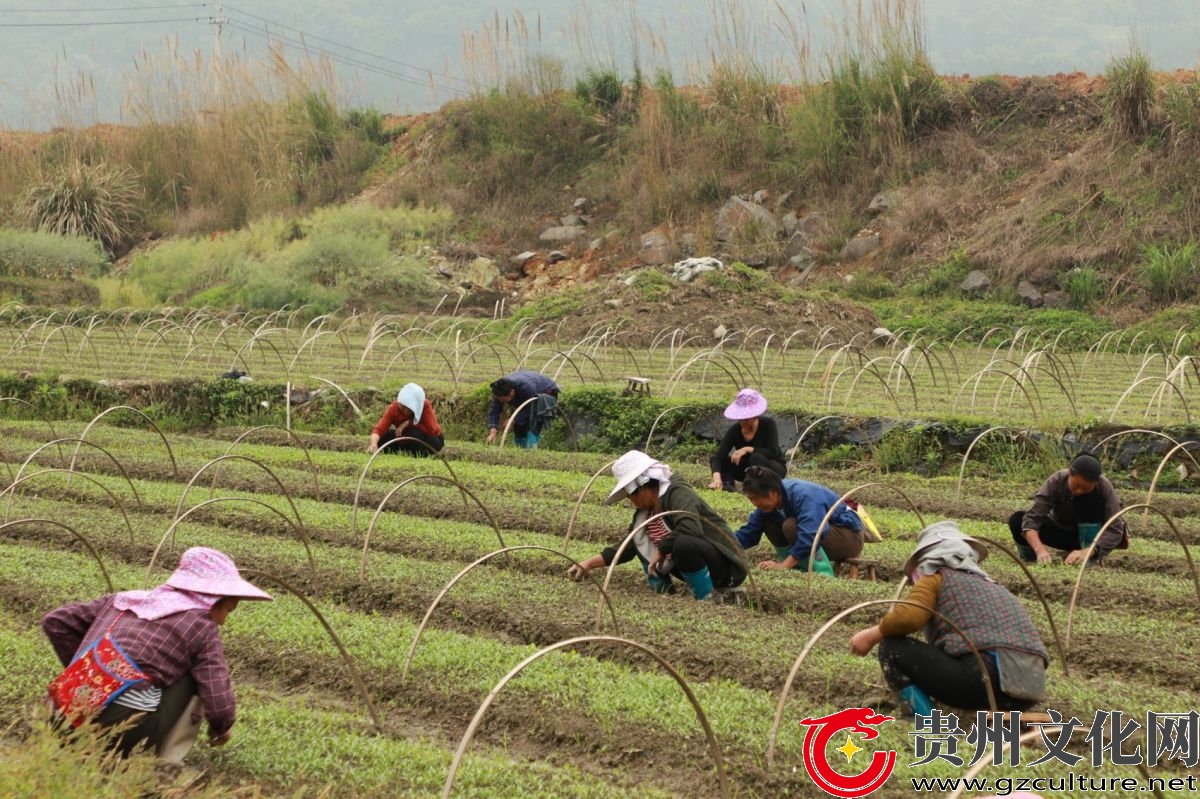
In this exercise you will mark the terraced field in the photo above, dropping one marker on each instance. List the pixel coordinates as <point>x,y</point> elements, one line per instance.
<point>599,718</point>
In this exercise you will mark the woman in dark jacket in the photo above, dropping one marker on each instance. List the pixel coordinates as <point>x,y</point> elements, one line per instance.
<point>753,441</point>
<point>696,547</point>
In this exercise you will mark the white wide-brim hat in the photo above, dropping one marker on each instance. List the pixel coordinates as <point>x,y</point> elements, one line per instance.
<point>210,571</point>
<point>628,468</point>
<point>748,404</point>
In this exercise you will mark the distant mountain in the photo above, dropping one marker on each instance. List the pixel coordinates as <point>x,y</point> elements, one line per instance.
<point>410,56</point>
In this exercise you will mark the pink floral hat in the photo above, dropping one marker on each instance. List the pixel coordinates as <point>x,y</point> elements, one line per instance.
<point>209,571</point>
<point>746,405</point>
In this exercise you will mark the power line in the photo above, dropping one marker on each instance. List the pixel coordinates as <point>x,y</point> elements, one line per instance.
<point>98,22</point>
<point>342,59</point>
<point>352,48</point>
<point>86,10</point>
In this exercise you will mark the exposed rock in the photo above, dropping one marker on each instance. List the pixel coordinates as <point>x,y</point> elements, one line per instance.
<point>482,272</point>
<point>783,200</point>
<point>883,334</point>
<point>790,224</point>
<point>656,247</point>
<point>580,205</point>
<point>545,223</point>
<point>572,220</point>
<point>1055,299</point>
<point>1029,294</point>
<point>615,302</point>
<point>863,243</point>
<point>688,269</point>
<point>719,332</point>
<point>686,242</point>
<point>520,258</point>
<point>797,243</point>
<point>811,224</point>
<point>756,260</point>
<point>596,243</point>
<point>1043,277</point>
<point>746,220</point>
<point>562,233</point>
<point>879,204</point>
<point>761,197</point>
<point>554,256</point>
<point>802,260</point>
<point>976,283</point>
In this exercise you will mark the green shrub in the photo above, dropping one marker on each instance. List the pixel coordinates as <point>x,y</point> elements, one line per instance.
<point>601,89</point>
<point>1085,286</point>
<point>1181,109</point>
<point>1170,271</point>
<point>870,287</point>
<point>945,276</point>
<point>1130,93</point>
<point>101,202</point>
<point>49,255</point>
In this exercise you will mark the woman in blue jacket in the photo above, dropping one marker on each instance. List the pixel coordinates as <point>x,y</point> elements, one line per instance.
<point>788,512</point>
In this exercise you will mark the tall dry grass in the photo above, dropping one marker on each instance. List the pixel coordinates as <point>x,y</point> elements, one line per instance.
<point>213,141</point>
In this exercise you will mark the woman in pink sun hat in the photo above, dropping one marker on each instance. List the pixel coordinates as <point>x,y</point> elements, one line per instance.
<point>152,659</point>
<point>753,441</point>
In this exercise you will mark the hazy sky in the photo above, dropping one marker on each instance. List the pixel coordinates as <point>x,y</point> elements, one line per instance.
<point>404,56</point>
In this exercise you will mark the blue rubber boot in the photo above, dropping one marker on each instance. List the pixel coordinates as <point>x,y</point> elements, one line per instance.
<point>917,700</point>
<point>659,585</point>
<point>701,583</point>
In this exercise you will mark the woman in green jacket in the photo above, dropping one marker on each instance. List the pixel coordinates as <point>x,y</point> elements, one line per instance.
<point>696,547</point>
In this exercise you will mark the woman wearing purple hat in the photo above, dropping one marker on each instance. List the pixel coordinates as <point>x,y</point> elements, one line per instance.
<point>152,659</point>
<point>753,441</point>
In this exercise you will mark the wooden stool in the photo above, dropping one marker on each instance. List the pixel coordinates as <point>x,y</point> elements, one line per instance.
<point>638,386</point>
<point>868,569</point>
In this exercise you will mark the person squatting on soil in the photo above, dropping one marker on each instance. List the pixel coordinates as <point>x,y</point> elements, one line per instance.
<point>515,390</point>
<point>164,645</point>
<point>1077,495</point>
<point>788,512</point>
<point>409,416</point>
<point>700,554</point>
<point>947,577</point>
<point>752,441</point>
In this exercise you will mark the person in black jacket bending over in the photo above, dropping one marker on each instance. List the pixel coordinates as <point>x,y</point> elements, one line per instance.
<point>753,441</point>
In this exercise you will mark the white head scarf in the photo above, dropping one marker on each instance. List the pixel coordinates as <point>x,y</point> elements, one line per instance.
<point>412,397</point>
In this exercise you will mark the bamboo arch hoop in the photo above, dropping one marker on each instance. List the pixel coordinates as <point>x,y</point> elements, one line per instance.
<point>1062,650</point>
<point>1092,547</point>
<point>79,441</point>
<point>966,455</point>
<point>663,514</point>
<point>33,408</point>
<point>579,502</point>
<point>1162,464</point>
<point>824,628</point>
<point>106,412</point>
<point>714,748</point>
<point>170,533</point>
<point>358,680</point>
<point>367,466</point>
<point>812,552</point>
<point>78,535</point>
<point>512,417</point>
<point>295,438</point>
<point>1029,737</point>
<point>796,447</point>
<point>223,458</point>
<point>11,491</point>
<point>463,573</point>
<point>362,571</point>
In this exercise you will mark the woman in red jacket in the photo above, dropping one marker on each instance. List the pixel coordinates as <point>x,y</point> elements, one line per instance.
<point>410,423</point>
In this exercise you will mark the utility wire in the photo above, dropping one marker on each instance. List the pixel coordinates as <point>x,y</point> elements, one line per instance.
<point>86,10</point>
<point>342,59</point>
<point>98,22</point>
<point>352,48</point>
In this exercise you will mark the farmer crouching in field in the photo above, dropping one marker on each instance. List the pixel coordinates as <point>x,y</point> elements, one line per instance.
<point>1067,511</point>
<point>788,512</point>
<point>162,654</point>
<point>753,440</point>
<point>410,422</point>
<point>947,577</point>
<point>700,553</point>
<point>515,390</point>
